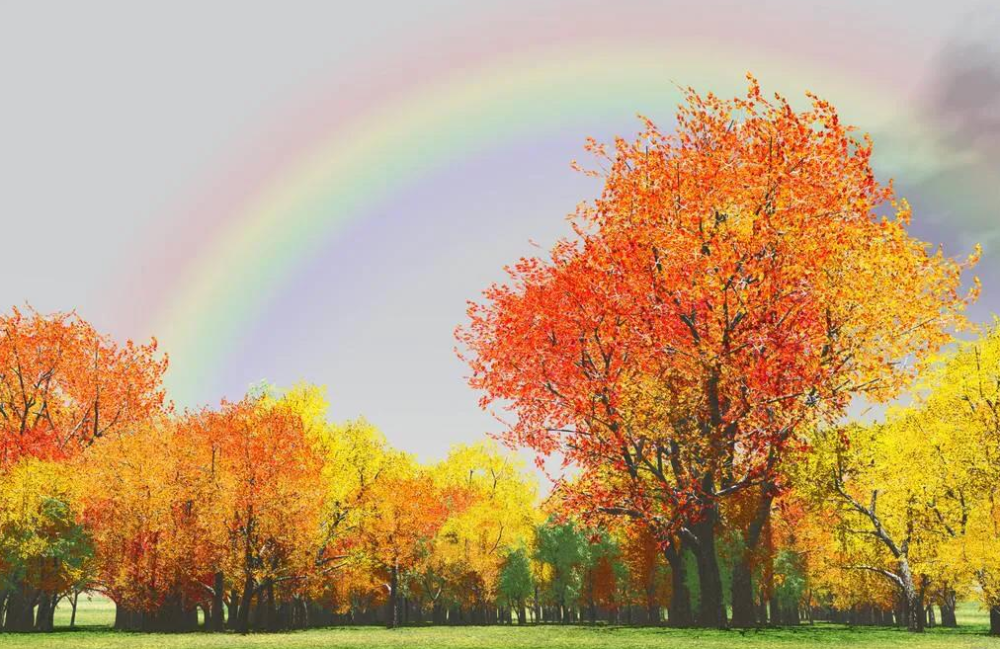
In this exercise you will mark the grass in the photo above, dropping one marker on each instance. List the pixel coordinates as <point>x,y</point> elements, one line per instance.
<point>95,614</point>
<point>92,611</point>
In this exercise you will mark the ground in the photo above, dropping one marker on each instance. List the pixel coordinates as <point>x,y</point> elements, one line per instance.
<point>94,616</point>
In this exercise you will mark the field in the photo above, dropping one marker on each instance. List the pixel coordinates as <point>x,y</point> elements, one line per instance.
<point>93,617</point>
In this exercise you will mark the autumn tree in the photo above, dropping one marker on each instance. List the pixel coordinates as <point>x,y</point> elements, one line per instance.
<point>63,385</point>
<point>151,508</point>
<point>604,580</point>
<point>353,456</point>
<point>501,514</point>
<point>795,543</point>
<point>642,558</point>
<point>879,518</point>
<point>736,281</point>
<point>44,549</point>
<point>902,493</point>
<point>269,474</point>
<point>958,427</point>
<point>404,511</point>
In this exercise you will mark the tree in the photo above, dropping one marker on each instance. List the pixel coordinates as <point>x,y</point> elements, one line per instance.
<point>959,413</point>
<point>642,557</point>
<point>516,581</point>
<point>215,508</point>
<point>591,494</point>
<point>916,493</point>
<point>735,283</point>
<point>500,515</point>
<point>63,385</point>
<point>898,499</point>
<point>797,543</point>
<point>604,580</point>
<point>404,511</point>
<point>354,455</point>
<point>44,550</point>
<point>269,473</point>
<point>562,549</point>
<point>152,508</point>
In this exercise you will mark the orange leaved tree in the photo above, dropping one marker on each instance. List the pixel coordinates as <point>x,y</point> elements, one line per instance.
<point>268,476</point>
<point>736,281</point>
<point>404,510</point>
<point>150,509</point>
<point>63,385</point>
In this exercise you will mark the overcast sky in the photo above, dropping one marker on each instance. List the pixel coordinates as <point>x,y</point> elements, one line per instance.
<point>120,120</point>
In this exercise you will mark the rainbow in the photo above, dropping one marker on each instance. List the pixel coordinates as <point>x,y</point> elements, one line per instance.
<point>342,155</point>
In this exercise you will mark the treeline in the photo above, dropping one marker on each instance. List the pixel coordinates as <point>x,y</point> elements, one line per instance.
<point>263,515</point>
<point>259,514</point>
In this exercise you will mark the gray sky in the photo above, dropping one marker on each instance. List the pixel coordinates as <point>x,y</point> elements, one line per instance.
<point>121,121</point>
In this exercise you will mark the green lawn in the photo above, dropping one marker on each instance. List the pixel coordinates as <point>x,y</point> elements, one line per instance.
<point>95,614</point>
<point>91,611</point>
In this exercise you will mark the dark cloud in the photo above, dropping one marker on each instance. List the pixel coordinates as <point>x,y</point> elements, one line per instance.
<point>963,91</point>
<point>956,198</point>
<point>960,101</point>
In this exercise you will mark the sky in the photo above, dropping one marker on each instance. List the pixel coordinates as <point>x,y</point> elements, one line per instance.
<point>312,191</point>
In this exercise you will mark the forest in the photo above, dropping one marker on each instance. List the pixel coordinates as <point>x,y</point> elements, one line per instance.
<point>770,405</point>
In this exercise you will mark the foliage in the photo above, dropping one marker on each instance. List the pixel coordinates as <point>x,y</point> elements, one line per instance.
<point>43,546</point>
<point>63,385</point>
<point>734,282</point>
<point>516,582</point>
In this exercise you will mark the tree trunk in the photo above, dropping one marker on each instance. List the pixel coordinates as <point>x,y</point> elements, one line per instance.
<point>653,614</point>
<point>774,611</point>
<point>711,609</point>
<point>127,619</point>
<point>270,613</point>
<point>216,619</point>
<point>20,610</point>
<point>742,585</point>
<point>742,595</point>
<point>392,612</point>
<point>995,620</point>
<point>913,598</point>
<point>72,617</point>
<point>46,613</point>
<point>679,612</point>
<point>438,614</point>
<point>948,609</point>
<point>243,610</point>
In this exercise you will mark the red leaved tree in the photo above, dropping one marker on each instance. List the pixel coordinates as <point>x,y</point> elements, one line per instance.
<point>734,283</point>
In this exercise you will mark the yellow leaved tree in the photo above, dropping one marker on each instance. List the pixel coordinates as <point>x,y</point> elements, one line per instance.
<point>501,516</point>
